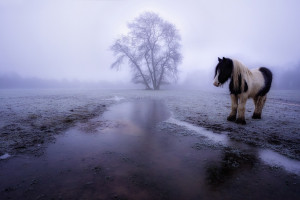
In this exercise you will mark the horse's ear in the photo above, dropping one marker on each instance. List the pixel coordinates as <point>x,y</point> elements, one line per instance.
<point>219,59</point>
<point>224,58</point>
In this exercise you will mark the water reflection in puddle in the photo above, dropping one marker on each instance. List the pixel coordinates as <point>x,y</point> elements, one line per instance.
<point>144,113</point>
<point>123,155</point>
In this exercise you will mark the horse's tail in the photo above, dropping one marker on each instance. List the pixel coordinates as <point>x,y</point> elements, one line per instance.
<point>267,74</point>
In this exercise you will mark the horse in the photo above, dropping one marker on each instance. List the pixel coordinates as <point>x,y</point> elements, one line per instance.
<point>244,84</point>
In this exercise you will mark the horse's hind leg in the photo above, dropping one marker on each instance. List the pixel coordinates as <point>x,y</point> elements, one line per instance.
<point>256,111</point>
<point>259,102</point>
<point>234,106</point>
<point>241,110</point>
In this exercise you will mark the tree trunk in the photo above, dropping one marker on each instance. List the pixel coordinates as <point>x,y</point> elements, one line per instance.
<point>160,77</point>
<point>144,79</point>
<point>153,69</point>
<point>151,74</point>
<point>139,69</point>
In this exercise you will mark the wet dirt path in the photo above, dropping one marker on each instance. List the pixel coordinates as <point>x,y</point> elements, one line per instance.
<point>134,151</point>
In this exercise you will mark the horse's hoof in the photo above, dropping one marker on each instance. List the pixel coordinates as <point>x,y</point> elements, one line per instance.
<point>231,118</point>
<point>256,116</point>
<point>240,121</point>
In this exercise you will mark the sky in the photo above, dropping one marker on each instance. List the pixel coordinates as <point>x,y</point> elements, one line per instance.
<point>70,39</point>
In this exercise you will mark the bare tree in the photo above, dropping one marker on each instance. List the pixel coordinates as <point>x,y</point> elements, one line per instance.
<point>152,50</point>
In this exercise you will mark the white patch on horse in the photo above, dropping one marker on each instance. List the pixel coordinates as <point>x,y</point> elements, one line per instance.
<point>253,77</point>
<point>216,80</point>
<point>240,70</point>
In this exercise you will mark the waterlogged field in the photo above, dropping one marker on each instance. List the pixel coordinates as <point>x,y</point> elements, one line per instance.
<point>137,144</point>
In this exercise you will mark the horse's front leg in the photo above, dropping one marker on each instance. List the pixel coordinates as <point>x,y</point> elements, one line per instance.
<point>241,110</point>
<point>234,106</point>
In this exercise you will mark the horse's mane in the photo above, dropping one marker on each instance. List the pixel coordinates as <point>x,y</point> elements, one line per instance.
<point>239,70</point>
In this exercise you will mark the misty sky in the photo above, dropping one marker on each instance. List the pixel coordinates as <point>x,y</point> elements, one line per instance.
<point>57,39</point>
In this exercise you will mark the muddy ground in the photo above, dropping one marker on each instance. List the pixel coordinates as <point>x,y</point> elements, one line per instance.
<point>30,120</point>
<point>120,145</point>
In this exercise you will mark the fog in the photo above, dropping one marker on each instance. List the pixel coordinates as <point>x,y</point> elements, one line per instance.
<point>67,42</point>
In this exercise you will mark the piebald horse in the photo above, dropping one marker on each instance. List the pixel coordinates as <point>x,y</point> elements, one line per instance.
<point>244,84</point>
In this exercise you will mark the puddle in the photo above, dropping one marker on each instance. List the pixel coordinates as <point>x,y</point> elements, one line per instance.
<point>141,113</point>
<point>123,155</point>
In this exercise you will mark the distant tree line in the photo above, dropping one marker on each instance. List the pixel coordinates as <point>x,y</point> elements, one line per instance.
<point>289,79</point>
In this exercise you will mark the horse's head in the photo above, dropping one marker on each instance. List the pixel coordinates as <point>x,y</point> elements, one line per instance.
<point>223,71</point>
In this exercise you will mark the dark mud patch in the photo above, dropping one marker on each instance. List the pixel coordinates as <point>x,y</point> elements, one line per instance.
<point>232,161</point>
